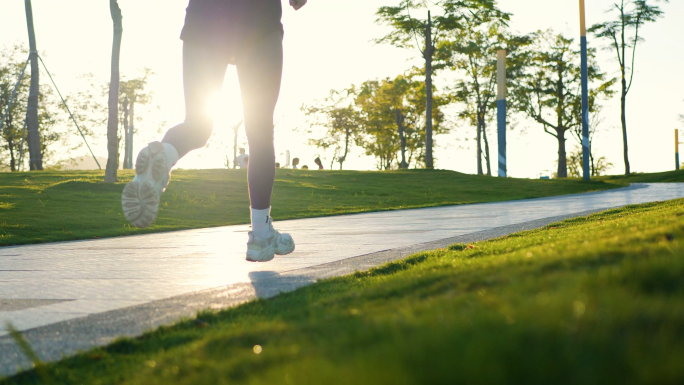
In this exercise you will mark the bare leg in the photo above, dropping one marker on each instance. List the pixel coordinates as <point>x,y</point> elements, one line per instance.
<point>203,72</point>
<point>204,69</point>
<point>260,72</point>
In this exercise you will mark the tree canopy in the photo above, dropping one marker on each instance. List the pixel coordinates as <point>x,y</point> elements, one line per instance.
<point>623,36</point>
<point>551,91</point>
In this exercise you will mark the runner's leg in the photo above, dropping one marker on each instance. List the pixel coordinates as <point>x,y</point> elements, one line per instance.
<point>203,72</point>
<point>260,73</point>
<point>204,69</point>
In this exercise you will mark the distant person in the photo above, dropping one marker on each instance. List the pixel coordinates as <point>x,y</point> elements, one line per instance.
<point>249,35</point>
<point>295,163</point>
<point>240,159</point>
<point>305,167</point>
<point>246,163</point>
<point>318,163</point>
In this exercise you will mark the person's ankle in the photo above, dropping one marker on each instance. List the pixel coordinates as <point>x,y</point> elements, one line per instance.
<point>171,155</point>
<point>261,222</point>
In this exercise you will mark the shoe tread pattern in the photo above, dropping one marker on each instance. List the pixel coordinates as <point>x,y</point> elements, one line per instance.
<point>139,201</point>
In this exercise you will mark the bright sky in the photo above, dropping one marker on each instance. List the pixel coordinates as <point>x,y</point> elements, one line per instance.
<point>328,46</point>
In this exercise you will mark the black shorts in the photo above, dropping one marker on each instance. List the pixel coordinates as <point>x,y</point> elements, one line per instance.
<point>230,25</point>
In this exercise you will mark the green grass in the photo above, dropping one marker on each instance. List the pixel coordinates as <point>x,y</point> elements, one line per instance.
<point>593,300</point>
<point>659,177</point>
<point>58,206</point>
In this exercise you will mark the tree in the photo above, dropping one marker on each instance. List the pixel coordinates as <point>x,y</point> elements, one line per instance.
<point>629,17</point>
<point>125,124</point>
<point>341,121</point>
<point>473,53</point>
<point>235,128</point>
<point>381,136</point>
<point>52,127</point>
<point>131,92</point>
<point>550,92</point>
<point>113,105</point>
<point>35,148</point>
<point>392,120</point>
<point>406,29</point>
<point>599,164</point>
<point>87,108</point>
<point>13,127</point>
<point>14,130</point>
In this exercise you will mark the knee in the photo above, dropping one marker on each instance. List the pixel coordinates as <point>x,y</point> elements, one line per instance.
<point>261,147</point>
<point>259,131</point>
<point>260,142</point>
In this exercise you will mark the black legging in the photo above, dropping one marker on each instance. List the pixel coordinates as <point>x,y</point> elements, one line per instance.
<point>259,71</point>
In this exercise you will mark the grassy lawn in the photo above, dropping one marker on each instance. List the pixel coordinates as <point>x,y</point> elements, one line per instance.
<point>595,300</point>
<point>658,177</point>
<point>68,205</point>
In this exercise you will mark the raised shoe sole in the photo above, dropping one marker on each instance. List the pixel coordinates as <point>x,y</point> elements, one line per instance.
<point>140,198</point>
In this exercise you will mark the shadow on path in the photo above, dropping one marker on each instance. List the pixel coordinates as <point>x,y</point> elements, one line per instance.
<point>268,284</point>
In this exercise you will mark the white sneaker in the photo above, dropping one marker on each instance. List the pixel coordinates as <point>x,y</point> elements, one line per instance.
<point>140,198</point>
<point>264,249</point>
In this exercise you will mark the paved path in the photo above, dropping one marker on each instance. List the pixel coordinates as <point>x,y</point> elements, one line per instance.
<point>75,295</point>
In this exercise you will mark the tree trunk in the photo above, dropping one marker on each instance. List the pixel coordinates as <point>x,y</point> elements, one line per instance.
<point>131,130</point>
<point>35,151</point>
<point>235,139</point>
<point>429,50</point>
<point>236,131</point>
<point>402,138</point>
<point>479,147</point>
<point>8,129</point>
<point>346,147</point>
<point>125,133</point>
<point>623,118</point>
<point>486,142</point>
<point>118,152</point>
<point>562,156</point>
<point>10,147</point>
<point>623,94</point>
<point>113,120</point>
<point>21,146</point>
<point>591,161</point>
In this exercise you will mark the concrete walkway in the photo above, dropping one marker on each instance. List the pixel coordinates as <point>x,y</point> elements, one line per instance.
<point>72,296</point>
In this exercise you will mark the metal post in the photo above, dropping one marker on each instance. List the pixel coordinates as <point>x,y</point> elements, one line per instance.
<point>585,96</point>
<point>676,149</point>
<point>501,110</point>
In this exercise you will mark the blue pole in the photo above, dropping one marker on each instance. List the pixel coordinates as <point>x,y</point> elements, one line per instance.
<point>585,96</point>
<point>501,111</point>
<point>677,160</point>
<point>676,149</point>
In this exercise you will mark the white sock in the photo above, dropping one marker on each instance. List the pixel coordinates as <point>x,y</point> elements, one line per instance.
<point>260,222</point>
<point>171,155</point>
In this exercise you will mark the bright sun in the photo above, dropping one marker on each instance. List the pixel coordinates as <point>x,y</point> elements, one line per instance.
<point>225,107</point>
